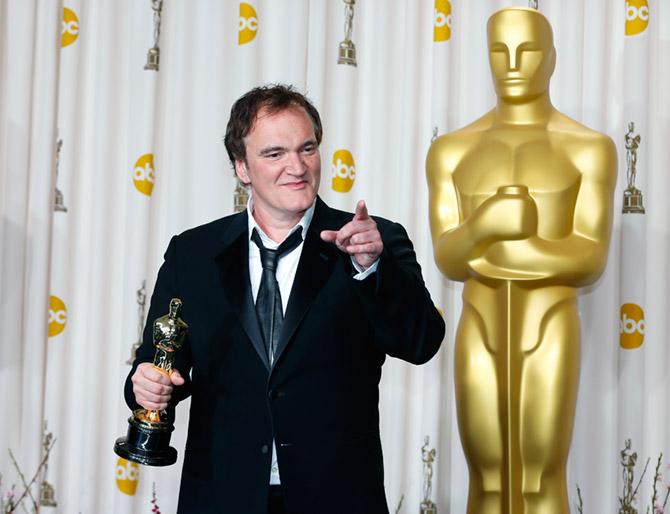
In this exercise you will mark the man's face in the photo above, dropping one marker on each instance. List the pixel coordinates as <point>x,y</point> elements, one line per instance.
<point>283,164</point>
<point>521,54</point>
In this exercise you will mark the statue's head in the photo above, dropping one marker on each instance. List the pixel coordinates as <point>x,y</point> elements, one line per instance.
<point>521,53</point>
<point>175,308</point>
<point>631,126</point>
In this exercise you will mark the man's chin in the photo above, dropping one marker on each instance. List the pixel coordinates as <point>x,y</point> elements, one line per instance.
<point>303,206</point>
<point>305,196</point>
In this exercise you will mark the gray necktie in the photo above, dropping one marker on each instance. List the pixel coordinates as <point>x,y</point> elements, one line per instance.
<point>268,301</point>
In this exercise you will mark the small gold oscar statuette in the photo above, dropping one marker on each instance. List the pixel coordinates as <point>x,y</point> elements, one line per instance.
<point>148,439</point>
<point>428,457</point>
<point>59,205</point>
<point>141,303</point>
<point>154,53</point>
<point>47,492</point>
<point>633,201</point>
<point>346,53</point>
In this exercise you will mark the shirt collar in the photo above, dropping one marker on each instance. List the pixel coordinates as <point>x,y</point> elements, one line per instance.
<point>303,224</point>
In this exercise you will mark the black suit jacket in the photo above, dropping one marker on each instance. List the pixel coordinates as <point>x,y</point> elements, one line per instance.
<point>320,399</point>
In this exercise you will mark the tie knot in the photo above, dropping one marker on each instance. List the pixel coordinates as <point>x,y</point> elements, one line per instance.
<point>269,257</point>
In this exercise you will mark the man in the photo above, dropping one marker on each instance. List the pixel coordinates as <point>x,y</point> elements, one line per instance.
<point>284,404</point>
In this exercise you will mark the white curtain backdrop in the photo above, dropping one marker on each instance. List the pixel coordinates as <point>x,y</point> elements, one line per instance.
<point>141,158</point>
<point>29,64</point>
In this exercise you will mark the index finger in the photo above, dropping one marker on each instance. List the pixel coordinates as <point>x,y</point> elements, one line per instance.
<point>361,211</point>
<point>152,373</point>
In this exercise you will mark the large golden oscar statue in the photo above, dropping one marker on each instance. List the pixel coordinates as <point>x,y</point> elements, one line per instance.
<point>521,212</point>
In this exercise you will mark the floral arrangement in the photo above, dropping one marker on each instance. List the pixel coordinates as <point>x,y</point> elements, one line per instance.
<point>7,499</point>
<point>630,489</point>
<point>155,509</point>
<point>11,499</point>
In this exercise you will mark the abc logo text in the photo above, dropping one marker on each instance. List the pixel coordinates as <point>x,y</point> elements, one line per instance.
<point>144,174</point>
<point>57,316</point>
<point>248,24</point>
<point>442,20</point>
<point>637,16</point>
<point>631,326</point>
<point>343,171</point>
<point>69,28</point>
<point>127,475</point>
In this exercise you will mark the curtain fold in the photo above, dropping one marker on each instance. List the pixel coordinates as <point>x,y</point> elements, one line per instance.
<point>28,109</point>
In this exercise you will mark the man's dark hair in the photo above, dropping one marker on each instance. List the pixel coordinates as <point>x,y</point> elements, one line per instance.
<point>273,98</point>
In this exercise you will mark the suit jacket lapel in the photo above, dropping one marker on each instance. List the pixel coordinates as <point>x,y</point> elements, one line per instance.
<point>316,265</point>
<point>233,264</point>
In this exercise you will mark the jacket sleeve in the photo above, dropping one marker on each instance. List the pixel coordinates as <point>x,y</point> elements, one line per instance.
<point>406,323</point>
<point>165,289</point>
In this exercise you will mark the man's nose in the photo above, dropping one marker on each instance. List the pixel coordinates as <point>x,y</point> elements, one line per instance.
<point>295,164</point>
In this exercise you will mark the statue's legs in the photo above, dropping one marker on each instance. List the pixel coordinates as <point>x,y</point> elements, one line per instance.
<point>515,402</point>
<point>478,410</point>
<point>548,394</point>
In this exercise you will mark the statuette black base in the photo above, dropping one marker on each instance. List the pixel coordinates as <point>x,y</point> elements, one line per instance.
<point>147,443</point>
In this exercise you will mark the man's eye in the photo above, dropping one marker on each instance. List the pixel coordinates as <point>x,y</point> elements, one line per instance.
<point>273,155</point>
<point>309,149</point>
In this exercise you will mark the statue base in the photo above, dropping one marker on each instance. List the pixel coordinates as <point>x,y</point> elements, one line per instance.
<point>633,201</point>
<point>147,443</point>
<point>346,53</point>
<point>427,507</point>
<point>59,206</point>
<point>153,59</point>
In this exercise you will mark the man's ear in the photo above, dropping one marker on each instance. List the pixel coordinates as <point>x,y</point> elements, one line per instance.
<point>241,172</point>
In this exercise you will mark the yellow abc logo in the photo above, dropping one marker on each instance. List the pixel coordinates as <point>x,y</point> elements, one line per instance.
<point>637,16</point>
<point>127,475</point>
<point>442,15</point>
<point>343,171</point>
<point>70,27</point>
<point>57,316</point>
<point>144,174</point>
<point>248,25</point>
<point>631,326</point>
